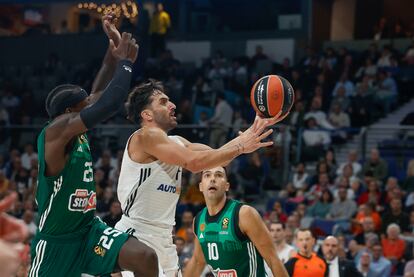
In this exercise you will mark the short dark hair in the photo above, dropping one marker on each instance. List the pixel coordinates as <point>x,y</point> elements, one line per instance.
<point>279,223</point>
<point>304,230</point>
<point>140,98</point>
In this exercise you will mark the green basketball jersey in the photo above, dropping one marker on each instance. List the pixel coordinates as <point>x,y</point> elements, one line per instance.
<point>67,201</point>
<point>227,251</point>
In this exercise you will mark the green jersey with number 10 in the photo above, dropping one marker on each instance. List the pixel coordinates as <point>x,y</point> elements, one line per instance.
<point>227,251</point>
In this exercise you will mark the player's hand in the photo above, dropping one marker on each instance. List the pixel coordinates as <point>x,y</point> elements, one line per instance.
<point>251,140</point>
<point>127,48</point>
<point>9,258</point>
<point>11,229</point>
<point>108,25</point>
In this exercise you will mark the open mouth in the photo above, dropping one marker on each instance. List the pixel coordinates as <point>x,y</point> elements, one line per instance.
<point>212,189</point>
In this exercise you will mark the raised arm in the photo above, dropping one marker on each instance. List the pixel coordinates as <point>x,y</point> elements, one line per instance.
<point>197,262</point>
<point>107,70</point>
<point>252,225</point>
<point>157,144</point>
<point>77,120</point>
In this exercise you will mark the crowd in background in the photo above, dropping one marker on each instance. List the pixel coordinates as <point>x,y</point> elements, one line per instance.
<point>337,90</point>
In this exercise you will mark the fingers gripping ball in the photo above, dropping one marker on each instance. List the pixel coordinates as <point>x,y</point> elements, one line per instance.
<point>271,94</point>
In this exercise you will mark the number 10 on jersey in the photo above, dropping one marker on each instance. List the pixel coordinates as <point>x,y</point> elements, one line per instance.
<point>213,251</point>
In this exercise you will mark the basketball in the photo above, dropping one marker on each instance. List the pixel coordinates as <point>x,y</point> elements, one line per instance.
<point>271,94</point>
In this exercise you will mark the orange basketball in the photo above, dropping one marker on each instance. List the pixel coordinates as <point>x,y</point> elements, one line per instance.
<point>271,94</point>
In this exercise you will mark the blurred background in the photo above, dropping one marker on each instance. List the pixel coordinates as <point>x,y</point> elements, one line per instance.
<point>348,142</point>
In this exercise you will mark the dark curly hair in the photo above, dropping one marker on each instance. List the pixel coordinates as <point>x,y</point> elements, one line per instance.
<point>140,98</point>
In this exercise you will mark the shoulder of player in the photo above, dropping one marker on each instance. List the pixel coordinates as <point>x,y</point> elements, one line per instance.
<point>246,215</point>
<point>149,135</point>
<point>58,125</point>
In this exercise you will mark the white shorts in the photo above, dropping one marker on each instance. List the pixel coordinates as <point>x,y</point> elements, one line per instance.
<point>161,241</point>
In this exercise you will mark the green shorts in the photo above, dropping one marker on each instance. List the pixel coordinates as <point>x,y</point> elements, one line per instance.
<point>93,250</point>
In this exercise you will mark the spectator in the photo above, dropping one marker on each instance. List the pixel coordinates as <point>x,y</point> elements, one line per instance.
<point>115,214</point>
<point>300,177</point>
<point>28,156</point>
<point>366,210</point>
<point>372,195</point>
<point>387,90</point>
<point>341,99</point>
<point>28,219</point>
<point>322,206</point>
<point>284,250</point>
<point>221,121</point>
<point>186,222</point>
<point>319,115</point>
<point>201,92</point>
<point>396,215</point>
<point>297,116</point>
<point>384,60</point>
<point>159,27</point>
<point>376,165</point>
<point>342,208</point>
<point>368,227</point>
<point>369,70</point>
<point>362,104</point>
<point>259,55</point>
<point>338,118</point>
<point>365,267</point>
<point>393,246</point>
<point>183,258</point>
<point>380,265</point>
<point>277,213</point>
<point>353,161</point>
<point>315,139</point>
<point>345,84</point>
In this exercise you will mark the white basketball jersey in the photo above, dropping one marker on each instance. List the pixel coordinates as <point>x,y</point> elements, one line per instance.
<point>149,192</point>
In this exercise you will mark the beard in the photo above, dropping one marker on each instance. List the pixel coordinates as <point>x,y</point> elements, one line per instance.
<point>165,122</point>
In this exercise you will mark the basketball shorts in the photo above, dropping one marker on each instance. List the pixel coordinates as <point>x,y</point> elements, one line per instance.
<point>160,241</point>
<point>93,250</point>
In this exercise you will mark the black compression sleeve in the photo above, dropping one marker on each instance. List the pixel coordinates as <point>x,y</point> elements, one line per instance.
<point>112,97</point>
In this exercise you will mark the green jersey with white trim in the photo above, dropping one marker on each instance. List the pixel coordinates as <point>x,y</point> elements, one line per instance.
<point>66,201</point>
<point>228,252</point>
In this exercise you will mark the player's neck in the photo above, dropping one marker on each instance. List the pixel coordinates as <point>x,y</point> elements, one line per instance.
<point>153,124</point>
<point>307,255</point>
<point>214,207</point>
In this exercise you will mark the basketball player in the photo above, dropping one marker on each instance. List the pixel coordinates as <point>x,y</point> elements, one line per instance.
<point>70,239</point>
<point>231,238</point>
<point>150,178</point>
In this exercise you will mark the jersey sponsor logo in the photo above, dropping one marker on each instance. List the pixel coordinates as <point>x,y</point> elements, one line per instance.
<point>202,227</point>
<point>225,223</point>
<point>99,250</point>
<point>201,236</point>
<point>223,273</point>
<point>82,201</point>
<point>167,188</point>
<point>227,273</point>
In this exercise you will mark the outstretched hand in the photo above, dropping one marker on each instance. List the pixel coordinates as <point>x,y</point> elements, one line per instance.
<point>126,49</point>
<point>108,25</point>
<point>251,139</point>
<point>11,229</point>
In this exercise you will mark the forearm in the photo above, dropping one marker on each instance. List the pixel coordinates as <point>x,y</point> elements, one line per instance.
<point>112,98</point>
<point>278,269</point>
<point>215,157</point>
<point>105,73</point>
<point>193,268</point>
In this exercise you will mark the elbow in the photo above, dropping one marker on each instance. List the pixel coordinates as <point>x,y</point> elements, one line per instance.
<point>194,165</point>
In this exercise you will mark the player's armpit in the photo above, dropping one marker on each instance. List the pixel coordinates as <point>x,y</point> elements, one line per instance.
<point>251,224</point>
<point>65,127</point>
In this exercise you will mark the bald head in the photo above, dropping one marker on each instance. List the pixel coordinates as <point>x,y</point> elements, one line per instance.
<point>330,248</point>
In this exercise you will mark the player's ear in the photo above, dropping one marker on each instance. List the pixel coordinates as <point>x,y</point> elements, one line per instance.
<point>199,186</point>
<point>227,186</point>
<point>146,115</point>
